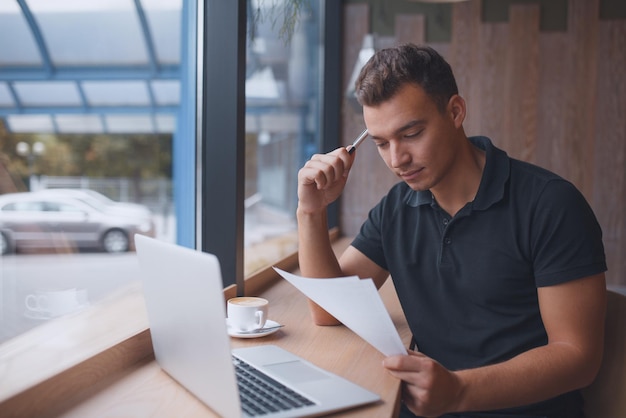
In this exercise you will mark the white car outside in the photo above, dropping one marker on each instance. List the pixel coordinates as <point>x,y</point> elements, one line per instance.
<point>36,220</point>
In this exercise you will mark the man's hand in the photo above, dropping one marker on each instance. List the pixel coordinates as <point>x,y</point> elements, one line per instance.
<point>322,179</point>
<point>428,389</point>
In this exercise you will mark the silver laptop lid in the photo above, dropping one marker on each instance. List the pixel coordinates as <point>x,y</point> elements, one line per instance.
<point>184,286</point>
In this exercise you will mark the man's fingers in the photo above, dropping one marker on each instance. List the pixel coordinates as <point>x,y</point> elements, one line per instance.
<point>323,170</point>
<point>412,361</point>
<point>414,368</point>
<point>319,173</point>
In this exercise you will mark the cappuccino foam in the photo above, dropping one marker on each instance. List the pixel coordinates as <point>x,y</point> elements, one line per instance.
<point>248,301</point>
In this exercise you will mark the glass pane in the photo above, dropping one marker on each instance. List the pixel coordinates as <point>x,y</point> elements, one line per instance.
<point>91,32</point>
<point>165,123</point>
<point>48,93</point>
<point>166,92</point>
<point>282,124</point>
<point>79,124</point>
<point>6,99</point>
<point>164,21</point>
<point>17,43</point>
<point>129,123</point>
<point>68,219</point>
<point>86,159</point>
<point>30,123</point>
<point>116,93</point>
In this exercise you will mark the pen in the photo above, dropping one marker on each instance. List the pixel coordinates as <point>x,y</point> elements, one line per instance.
<point>358,141</point>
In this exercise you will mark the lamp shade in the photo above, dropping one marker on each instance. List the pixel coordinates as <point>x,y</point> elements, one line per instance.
<point>366,52</point>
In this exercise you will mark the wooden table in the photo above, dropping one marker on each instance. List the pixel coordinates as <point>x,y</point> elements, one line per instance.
<point>99,363</point>
<point>146,391</point>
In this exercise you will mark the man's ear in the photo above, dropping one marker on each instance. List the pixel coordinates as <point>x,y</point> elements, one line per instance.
<point>456,108</point>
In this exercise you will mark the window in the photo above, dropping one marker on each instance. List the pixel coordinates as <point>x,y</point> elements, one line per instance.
<point>87,121</point>
<point>283,125</point>
<point>285,119</point>
<point>292,110</point>
<point>118,122</point>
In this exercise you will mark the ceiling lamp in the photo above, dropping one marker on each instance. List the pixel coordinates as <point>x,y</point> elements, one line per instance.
<point>365,53</point>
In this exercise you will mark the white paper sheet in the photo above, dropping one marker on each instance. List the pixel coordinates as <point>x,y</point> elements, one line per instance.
<point>356,303</point>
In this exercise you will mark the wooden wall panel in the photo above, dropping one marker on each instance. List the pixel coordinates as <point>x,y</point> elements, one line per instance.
<point>554,98</point>
<point>491,74</point>
<point>551,112</point>
<point>521,85</point>
<point>463,58</point>
<point>410,28</point>
<point>442,47</point>
<point>581,63</point>
<point>609,185</point>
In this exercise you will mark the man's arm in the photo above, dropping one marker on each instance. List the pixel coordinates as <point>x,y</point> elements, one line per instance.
<point>316,257</point>
<point>573,314</point>
<point>320,182</point>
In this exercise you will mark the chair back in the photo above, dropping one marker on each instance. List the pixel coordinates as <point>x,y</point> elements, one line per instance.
<point>606,396</point>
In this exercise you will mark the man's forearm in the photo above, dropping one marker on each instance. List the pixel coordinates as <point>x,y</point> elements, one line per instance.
<point>315,252</point>
<point>316,256</point>
<point>536,375</point>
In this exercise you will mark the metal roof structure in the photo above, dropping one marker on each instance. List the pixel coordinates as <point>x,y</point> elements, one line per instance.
<point>74,66</point>
<point>140,67</point>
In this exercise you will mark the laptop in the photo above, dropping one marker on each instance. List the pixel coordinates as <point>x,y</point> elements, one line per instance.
<point>184,298</point>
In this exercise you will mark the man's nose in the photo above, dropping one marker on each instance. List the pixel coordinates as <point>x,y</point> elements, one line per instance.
<point>398,155</point>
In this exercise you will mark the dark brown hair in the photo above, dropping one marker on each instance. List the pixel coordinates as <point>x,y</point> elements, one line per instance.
<point>391,68</point>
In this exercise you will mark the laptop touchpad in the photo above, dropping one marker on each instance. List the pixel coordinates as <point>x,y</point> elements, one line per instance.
<point>295,371</point>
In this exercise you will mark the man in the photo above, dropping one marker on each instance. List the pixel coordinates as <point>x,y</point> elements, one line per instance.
<point>498,264</point>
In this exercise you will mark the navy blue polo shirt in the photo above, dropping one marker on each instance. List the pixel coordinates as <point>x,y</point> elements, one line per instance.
<point>468,283</point>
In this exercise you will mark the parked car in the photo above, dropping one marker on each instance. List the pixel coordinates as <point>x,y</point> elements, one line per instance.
<point>101,202</point>
<point>48,220</point>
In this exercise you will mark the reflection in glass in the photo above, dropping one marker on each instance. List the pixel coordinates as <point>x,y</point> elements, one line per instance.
<point>282,124</point>
<point>96,84</point>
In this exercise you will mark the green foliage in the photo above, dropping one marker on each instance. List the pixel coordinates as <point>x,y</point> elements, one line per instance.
<point>131,156</point>
<point>284,14</point>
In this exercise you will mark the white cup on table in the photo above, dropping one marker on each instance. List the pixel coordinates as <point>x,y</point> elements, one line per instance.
<point>247,313</point>
<point>54,303</point>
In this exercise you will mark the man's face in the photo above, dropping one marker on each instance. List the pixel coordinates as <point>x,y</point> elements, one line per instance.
<point>416,141</point>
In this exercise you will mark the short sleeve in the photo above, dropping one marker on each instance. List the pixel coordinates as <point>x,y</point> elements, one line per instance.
<point>369,239</point>
<point>566,238</point>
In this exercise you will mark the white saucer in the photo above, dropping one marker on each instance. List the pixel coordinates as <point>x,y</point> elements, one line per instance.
<point>37,315</point>
<point>268,324</point>
<point>44,315</point>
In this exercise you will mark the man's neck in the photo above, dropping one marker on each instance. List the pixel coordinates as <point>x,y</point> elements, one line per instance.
<point>462,185</point>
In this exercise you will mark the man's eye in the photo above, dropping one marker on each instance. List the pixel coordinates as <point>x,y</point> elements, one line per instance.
<point>413,134</point>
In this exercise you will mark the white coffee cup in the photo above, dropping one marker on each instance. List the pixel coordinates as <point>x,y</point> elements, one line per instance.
<point>247,313</point>
<point>53,303</point>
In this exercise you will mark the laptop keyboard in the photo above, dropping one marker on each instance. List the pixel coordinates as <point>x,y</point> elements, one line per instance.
<point>261,395</point>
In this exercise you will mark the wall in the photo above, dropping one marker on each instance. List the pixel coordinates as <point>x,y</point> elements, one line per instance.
<point>554,98</point>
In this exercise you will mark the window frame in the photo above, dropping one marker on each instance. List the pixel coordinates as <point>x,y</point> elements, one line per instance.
<point>222,115</point>
<point>222,136</point>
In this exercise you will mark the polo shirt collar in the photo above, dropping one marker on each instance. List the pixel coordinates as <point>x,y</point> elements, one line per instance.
<point>415,199</point>
<point>492,183</point>
<point>495,174</point>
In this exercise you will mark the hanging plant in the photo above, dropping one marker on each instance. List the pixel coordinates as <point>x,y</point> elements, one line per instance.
<point>284,14</point>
